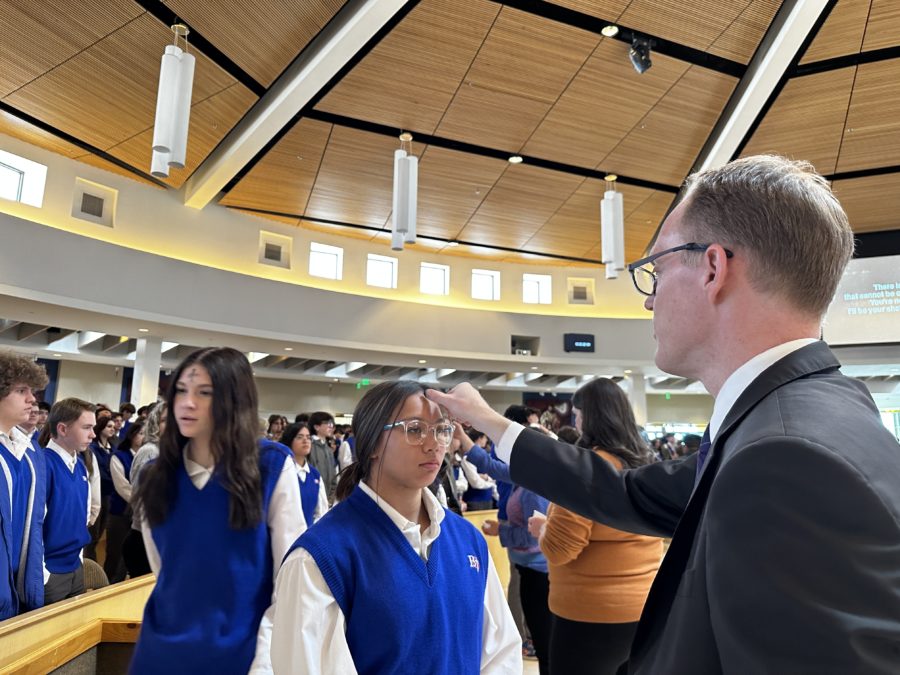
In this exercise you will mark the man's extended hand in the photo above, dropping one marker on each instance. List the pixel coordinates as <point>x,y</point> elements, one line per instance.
<point>464,403</point>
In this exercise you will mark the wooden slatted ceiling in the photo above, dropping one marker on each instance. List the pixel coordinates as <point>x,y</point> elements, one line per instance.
<point>574,230</point>
<point>518,205</point>
<point>604,102</point>
<point>854,26</point>
<point>729,28</point>
<point>410,77</point>
<point>668,139</point>
<point>37,36</point>
<point>871,203</point>
<point>106,96</point>
<point>261,36</point>
<point>355,178</point>
<point>806,120</point>
<point>521,70</point>
<point>872,138</point>
<point>283,180</point>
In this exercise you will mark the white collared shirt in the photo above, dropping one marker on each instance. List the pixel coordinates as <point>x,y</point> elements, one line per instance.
<point>321,498</point>
<point>121,484</point>
<point>741,378</point>
<point>16,442</point>
<point>309,635</point>
<point>285,522</point>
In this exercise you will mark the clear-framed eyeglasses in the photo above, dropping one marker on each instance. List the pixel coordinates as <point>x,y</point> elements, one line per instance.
<point>416,431</point>
<point>644,276</point>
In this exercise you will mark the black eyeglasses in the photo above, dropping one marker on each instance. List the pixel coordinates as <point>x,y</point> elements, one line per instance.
<point>644,277</point>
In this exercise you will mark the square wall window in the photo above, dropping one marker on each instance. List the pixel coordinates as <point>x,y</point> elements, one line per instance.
<point>381,271</point>
<point>485,285</point>
<point>22,180</point>
<point>536,289</point>
<point>326,261</point>
<point>434,279</point>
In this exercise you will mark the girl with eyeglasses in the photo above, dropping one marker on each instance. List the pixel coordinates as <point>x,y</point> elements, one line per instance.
<point>388,581</point>
<point>312,488</point>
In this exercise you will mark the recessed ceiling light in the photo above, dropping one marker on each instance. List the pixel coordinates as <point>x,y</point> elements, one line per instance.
<point>288,349</point>
<point>337,379</point>
<point>58,355</point>
<point>534,367</point>
<point>628,372</point>
<point>515,159</point>
<point>609,31</point>
<point>143,330</point>
<point>610,178</point>
<point>423,361</point>
<point>452,243</point>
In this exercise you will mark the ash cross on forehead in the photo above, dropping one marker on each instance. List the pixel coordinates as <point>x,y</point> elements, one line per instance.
<point>193,373</point>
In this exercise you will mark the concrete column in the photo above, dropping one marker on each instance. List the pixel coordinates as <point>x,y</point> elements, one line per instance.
<point>636,388</point>
<point>147,361</point>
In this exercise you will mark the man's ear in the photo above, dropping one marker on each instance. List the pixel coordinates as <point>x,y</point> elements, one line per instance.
<point>717,268</point>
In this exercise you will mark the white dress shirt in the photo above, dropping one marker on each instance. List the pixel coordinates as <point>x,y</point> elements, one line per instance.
<point>321,499</point>
<point>121,483</point>
<point>309,634</point>
<point>71,461</point>
<point>345,455</point>
<point>731,390</point>
<point>473,478</point>
<point>285,521</point>
<point>94,479</point>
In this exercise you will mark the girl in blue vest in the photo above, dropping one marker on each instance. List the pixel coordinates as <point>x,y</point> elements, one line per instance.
<point>389,582</point>
<point>118,523</point>
<point>219,511</point>
<point>312,487</point>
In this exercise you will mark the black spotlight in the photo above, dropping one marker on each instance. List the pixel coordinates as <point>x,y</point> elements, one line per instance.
<point>640,54</point>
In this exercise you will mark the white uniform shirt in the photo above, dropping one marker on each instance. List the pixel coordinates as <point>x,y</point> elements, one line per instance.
<point>309,634</point>
<point>285,521</point>
<point>121,484</point>
<point>17,443</point>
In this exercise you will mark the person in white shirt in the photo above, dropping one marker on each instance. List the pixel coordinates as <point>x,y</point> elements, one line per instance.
<point>388,571</point>
<point>313,496</point>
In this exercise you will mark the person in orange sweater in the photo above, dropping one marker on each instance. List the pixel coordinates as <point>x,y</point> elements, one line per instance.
<point>599,577</point>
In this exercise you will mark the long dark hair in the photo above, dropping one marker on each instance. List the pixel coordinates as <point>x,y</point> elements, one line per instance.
<point>233,443</point>
<point>133,430</point>
<point>380,406</point>
<point>607,422</point>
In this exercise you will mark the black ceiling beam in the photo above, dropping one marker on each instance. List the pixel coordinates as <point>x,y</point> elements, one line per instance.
<point>372,228</point>
<point>864,173</point>
<point>848,61</point>
<point>168,18</point>
<point>593,24</point>
<point>87,147</point>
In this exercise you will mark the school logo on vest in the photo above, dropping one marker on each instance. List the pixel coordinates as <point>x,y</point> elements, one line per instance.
<point>474,563</point>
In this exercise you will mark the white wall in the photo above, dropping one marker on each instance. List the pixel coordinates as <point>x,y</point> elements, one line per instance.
<point>690,408</point>
<point>92,382</point>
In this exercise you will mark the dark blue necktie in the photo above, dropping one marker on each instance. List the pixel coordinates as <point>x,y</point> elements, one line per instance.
<point>702,452</point>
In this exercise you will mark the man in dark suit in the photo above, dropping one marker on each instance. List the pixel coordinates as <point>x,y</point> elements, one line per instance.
<point>785,554</point>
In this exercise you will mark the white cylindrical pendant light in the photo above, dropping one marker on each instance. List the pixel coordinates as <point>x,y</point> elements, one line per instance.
<point>165,122</point>
<point>412,190</point>
<point>182,110</point>
<point>396,241</point>
<point>159,165</point>
<point>612,233</point>
<point>401,184</point>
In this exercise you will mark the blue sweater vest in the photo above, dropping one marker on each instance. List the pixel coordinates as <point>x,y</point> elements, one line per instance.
<point>117,505</point>
<point>103,457</point>
<point>215,582</point>
<point>22,554</point>
<point>403,615</point>
<point>65,525</point>
<point>479,495</point>
<point>309,493</point>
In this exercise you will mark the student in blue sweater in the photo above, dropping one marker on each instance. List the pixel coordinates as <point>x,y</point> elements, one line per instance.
<point>219,510</point>
<point>66,533</point>
<point>22,486</point>
<point>388,582</point>
<point>312,487</point>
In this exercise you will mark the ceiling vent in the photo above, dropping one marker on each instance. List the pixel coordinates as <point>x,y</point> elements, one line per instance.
<point>580,291</point>
<point>275,249</point>
<point>94,203</point>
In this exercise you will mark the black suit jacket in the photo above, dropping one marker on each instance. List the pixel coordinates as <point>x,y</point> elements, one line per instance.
<point>786,556</point>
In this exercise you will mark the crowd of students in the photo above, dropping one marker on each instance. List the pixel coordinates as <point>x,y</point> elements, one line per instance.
<point>220,505</point>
